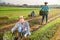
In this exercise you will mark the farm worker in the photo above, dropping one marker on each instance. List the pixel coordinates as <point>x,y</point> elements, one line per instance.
<point>32,14</point>
<point>45,10</point>
<point>22,26</point>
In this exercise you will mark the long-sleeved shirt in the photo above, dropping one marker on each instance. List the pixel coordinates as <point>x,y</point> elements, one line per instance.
<point>45,8</point>
<point>25,26</point>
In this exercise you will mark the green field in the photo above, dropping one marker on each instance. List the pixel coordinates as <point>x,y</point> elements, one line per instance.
<point>46,32</point>
<point>15,12</point>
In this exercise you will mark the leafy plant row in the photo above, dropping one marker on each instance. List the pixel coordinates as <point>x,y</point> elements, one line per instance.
<point>46,32</point>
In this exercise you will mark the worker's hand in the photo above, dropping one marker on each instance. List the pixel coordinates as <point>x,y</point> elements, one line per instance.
<point>25,35</point>
<point>11,31</point>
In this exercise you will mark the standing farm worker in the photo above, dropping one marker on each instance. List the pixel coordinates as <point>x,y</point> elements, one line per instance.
<point>44,12</point>
<point>22,26</point>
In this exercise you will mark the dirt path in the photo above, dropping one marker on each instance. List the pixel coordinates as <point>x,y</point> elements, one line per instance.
<point>38,26</point>
<point>33,28</point>
<point>57,35</point>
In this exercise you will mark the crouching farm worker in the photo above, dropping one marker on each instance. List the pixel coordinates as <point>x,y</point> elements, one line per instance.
<point>23,28</point>
<point>32,14</point>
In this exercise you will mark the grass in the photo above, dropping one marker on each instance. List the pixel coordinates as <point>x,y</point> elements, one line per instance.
<point>40,31</point>
<point>15,12</point>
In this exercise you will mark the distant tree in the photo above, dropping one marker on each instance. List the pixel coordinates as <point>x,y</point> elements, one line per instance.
<point>3,2</point>
<point>25,5</point>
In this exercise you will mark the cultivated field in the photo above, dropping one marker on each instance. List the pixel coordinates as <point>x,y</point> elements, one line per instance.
<point>9,16</point>
<point>15,12</point>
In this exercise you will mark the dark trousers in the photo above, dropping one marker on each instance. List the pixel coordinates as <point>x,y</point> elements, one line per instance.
<point>20,36</point>
<point>44,16</point>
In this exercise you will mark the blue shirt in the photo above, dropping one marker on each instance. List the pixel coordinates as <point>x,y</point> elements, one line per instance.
<point>20,27</point>
<point>45,8</point>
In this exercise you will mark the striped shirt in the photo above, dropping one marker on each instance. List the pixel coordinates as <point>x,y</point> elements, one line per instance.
<point>25,26</point>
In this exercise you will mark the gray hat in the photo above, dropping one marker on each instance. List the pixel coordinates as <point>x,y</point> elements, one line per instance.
<point>21,17</point>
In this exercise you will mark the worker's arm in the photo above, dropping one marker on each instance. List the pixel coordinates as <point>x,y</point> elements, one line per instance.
<point>14,28</point>
<point>28,28</point>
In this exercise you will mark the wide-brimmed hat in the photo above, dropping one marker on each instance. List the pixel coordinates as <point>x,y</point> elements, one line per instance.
<point>46,2</point>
